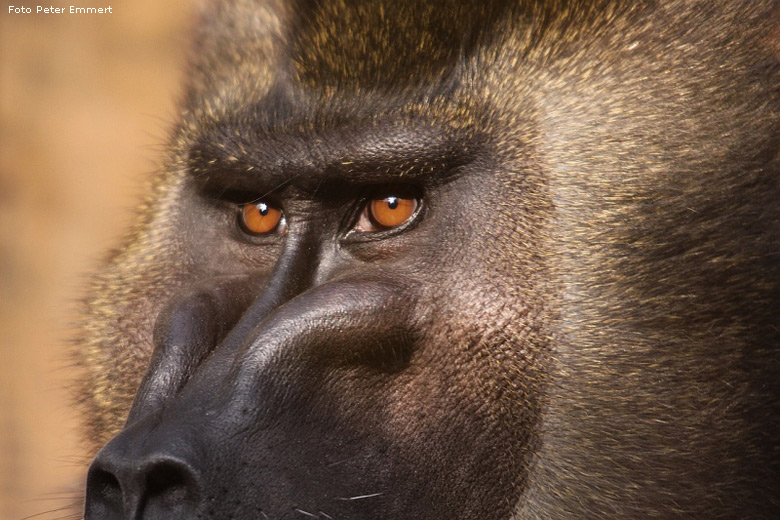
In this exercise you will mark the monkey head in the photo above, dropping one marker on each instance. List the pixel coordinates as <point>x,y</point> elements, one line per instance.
<point>466,260</point>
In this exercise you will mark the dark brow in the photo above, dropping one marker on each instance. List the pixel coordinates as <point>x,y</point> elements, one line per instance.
<point>358,155</point>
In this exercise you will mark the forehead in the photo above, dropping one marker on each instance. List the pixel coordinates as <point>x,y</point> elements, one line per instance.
<point>304,67</point>
<point>246,50</point>
<point>301,71</point>
<point>388,44</point>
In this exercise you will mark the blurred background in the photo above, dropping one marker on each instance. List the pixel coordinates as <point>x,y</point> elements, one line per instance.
<point>85,105</point>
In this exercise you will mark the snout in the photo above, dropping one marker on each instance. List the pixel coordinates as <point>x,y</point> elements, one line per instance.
<point>277,393</point>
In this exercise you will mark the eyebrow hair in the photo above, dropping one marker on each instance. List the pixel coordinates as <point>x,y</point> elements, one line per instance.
<point>351,154</point>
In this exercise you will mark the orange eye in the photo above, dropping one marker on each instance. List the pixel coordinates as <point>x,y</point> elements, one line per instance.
<point>260,218</point>
<point>387,213</point>
<point>391,212</point>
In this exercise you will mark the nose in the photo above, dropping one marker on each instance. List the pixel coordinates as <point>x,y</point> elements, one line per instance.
<point>152,486</point>
<point>239,412</point>
<point>146,472</point>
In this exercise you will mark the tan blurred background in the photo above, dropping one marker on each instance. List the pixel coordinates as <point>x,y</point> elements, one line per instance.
<point>85,103</point>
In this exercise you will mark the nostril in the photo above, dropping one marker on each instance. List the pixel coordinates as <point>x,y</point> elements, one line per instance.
<point>104,496</point>
<point>171,488</point>
<point>156,488</point>
<point>170,482</point>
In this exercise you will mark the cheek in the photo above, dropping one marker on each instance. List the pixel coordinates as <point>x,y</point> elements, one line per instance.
<point>472,391</point>
<point>478,378</point>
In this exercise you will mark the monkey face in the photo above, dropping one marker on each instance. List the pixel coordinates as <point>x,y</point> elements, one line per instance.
<point>451,260</point>
<point>332,343</point>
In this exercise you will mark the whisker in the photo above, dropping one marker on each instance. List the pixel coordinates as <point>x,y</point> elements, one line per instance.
<point>361,497</point>
<point>70,507</point>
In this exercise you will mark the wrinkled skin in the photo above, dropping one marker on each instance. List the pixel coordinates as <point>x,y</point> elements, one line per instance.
<point>579,320</point>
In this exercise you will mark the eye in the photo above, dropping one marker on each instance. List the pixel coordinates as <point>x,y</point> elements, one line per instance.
<point>260,218</point>
<point>385,213</point>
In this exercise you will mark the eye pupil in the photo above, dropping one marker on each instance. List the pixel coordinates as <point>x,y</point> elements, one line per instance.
<point>263,208</point>
<point>392,202</point>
